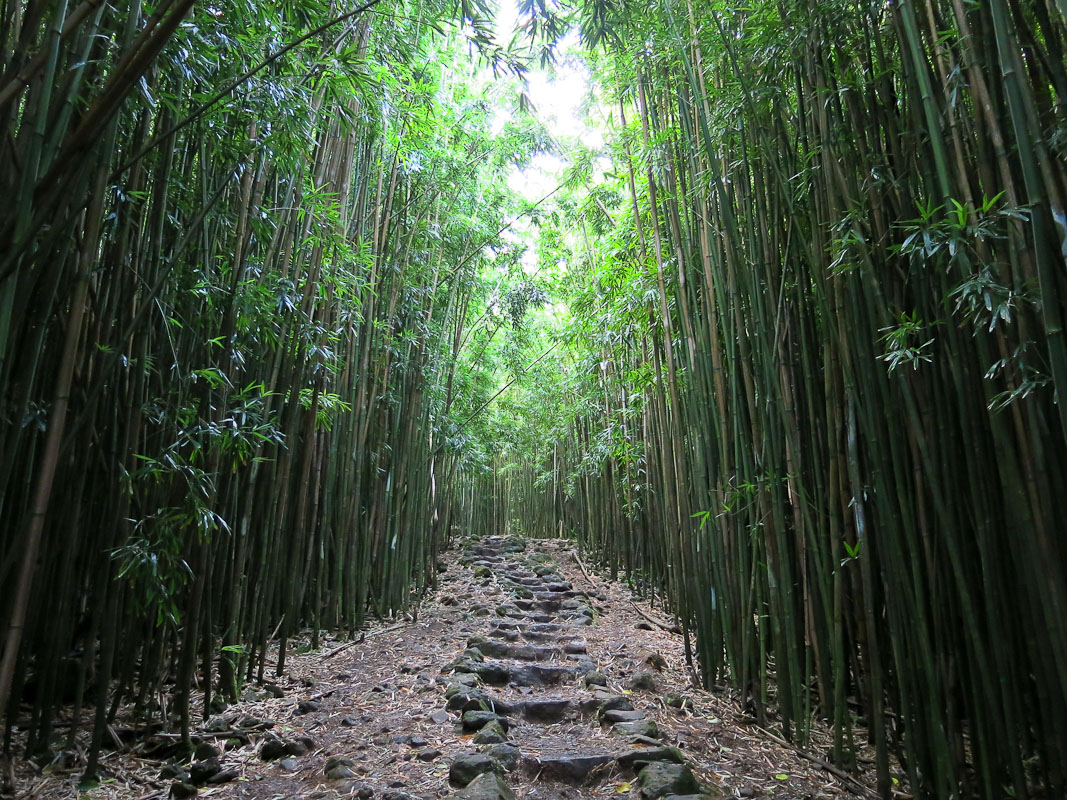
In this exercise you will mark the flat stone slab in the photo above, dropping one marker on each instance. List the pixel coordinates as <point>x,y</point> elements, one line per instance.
<point>602,702</point>
<point>641,727</point>
<point>521,652</point>
<point>487,672</point>
<point>538,636</point>
<point>547,710</point>
<point>541,675</point>
<point>642,756</point>
<point>542,627</point>
<point>574,768</point>
<point>477,699</point>
<point>622,716</point>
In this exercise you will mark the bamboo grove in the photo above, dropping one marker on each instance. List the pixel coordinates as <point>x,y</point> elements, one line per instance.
<point>242,250</point>
<point>264,350</point>
<point>816,349</point>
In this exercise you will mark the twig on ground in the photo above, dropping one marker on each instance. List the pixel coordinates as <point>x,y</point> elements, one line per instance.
<point>366,634</point>
<point>585,572</point>
<point>656,622</point>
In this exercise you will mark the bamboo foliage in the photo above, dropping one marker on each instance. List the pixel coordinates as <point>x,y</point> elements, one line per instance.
<point>818,354</point>
<point>227,325</point>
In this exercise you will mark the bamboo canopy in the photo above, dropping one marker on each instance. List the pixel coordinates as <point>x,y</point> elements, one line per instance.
<point>791,360</point>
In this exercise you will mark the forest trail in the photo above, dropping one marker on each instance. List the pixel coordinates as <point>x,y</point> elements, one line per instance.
<point>521,665</point>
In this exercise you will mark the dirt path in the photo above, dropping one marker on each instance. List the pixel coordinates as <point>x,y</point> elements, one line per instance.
<point>521,666</point>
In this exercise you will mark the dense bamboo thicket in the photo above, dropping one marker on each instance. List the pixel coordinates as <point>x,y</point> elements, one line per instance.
<point>242,247</point>
<point>263,347</point>
<point>819,350</point>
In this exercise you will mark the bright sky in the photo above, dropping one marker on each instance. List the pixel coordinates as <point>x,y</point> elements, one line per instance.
<point>557,94</point>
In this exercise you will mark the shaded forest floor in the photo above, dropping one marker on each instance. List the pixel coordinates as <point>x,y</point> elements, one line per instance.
<point>585,686</point>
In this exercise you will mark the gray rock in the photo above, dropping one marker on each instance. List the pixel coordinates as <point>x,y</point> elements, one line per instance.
<point>202,770</point>
<point>641,756</point>
<point>487,786</point>
<point>492,673</point>
<point>595,678</point>
<point>439,717</point>
<point>642,681</point>
<point>548,710</point>
<point>272,748</point>
<point>289,764</point>
<point>641,727</point>
<point>662,778</point>
<point>506,754</point>
<point>576,768</point>
<point>622,716</point>
<point>217,725</point>
<point>615,702</point>
<point>462,680</point>
<point>575,648</point>
<point>308,707</point>
<point>522,652</point>
<point>468,699</point>
<point>224,776</point>
<point>428,754</point>
<point>493,733</point>
<point>298,747</point>
<point>544,627</point>
<point>541,675</point>
<point>469,766</point>
<point>475,720</point>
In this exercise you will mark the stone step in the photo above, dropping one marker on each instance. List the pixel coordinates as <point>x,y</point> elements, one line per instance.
<point>551,709</point>
<point>642,727</point>
<point>622,716</point>
<point>541,675</point>
<point>573,768</point>
<point>640,757</point>
<point>519,652</point>
<point>477,699</point>
<point>542,627</point>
